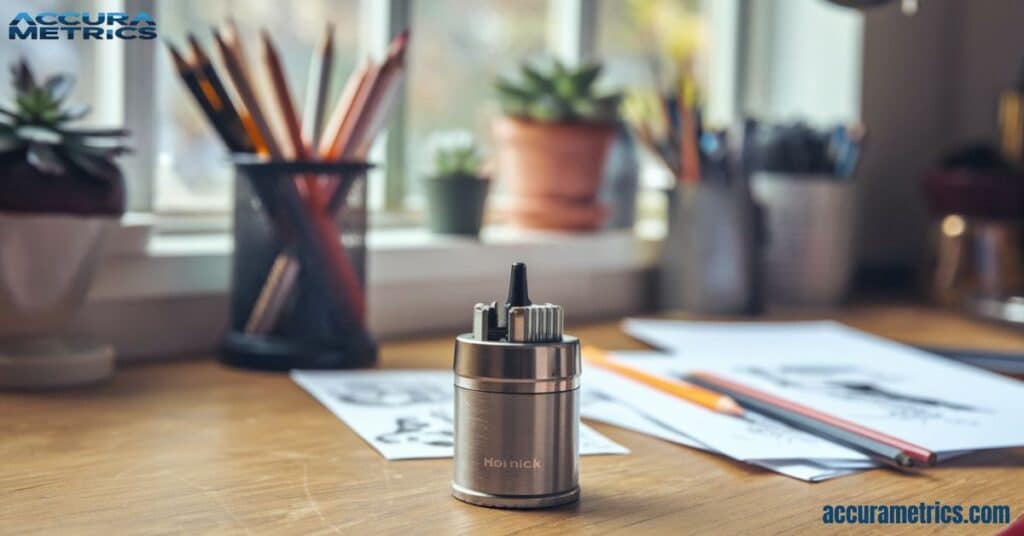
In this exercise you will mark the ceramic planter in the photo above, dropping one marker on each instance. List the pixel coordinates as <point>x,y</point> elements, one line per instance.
<point>455,205</point>
<point>553,172</point>
<point>47,264</point>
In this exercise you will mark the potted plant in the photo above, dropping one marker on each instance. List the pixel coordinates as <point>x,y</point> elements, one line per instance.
<point>551,145</point>
<point>60,192</point>
<point>456,191</point>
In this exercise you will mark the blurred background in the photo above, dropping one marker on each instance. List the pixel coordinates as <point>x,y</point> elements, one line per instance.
<point>924,92</point>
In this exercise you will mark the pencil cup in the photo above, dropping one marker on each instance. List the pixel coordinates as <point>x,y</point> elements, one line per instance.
<point>299,265</point>
<point>811,221</point>
<point>709,261</point>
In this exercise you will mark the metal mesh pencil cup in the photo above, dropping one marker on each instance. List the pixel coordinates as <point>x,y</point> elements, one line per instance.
<point>298,271</point>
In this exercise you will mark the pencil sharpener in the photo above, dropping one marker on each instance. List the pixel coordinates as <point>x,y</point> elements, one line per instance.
<point>517,406</point>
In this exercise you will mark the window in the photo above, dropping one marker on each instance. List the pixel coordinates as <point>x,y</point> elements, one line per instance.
<point>193,173</point>
<point>84,59</point>
<point>644,43</point>
<point>457,49</point>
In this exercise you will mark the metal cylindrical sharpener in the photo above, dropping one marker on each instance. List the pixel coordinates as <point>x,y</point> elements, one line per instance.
<point>517,405</point>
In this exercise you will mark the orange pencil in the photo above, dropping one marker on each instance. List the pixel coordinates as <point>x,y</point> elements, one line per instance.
<point>677,388</point>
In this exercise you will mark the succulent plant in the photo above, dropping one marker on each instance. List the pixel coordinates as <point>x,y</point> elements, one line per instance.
<point>455,155</point>
<point>48,166</point>
<point>38,126</point>
<point>556,93</point>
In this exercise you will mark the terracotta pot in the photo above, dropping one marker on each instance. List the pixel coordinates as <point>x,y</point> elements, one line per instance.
<point>549,168</point>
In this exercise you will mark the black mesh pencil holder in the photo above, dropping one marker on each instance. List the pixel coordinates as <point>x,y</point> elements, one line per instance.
<point>298,295</point>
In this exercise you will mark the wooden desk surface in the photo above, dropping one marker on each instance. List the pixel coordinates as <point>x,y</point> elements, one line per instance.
<point>195,447</point>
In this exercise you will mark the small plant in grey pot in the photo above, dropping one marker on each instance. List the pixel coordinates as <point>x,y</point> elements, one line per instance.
<point>60,194</point>
<point>456,191</point>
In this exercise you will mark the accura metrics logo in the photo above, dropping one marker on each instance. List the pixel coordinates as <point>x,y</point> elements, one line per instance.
<point>501,463</point>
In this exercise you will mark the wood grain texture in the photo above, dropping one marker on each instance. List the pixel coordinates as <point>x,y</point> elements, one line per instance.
<point>193,447</point>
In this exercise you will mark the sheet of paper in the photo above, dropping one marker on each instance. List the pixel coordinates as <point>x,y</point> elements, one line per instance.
<point>606,409</point>
<point>942,405</point>
<point>406,414</point>
<point>751,438</point>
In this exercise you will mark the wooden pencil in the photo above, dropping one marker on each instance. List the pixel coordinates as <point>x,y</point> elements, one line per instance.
<point>189,77</point>
<point>230,48</point>
<point>320,68</point>
<point>689,392</point>
<point>215,90</point>
<point>342,110</point>
<point>873,442</point>
<point>689,151</point>
<point>361,135</point>
<point>282,101</point>
<point>340,138</point>
<point>381,104</point>
<point>285,107</point>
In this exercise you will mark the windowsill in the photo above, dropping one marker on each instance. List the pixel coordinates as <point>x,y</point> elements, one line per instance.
<point>170,297</point>
<point>190,264</point>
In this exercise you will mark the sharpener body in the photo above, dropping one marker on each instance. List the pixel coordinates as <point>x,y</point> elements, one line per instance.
<point>516,422</point>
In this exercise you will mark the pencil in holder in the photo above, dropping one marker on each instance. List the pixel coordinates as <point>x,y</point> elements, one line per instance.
<point>299,266</point>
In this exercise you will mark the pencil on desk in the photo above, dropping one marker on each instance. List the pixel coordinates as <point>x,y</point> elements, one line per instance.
<point>880,446</point>
<point>686,391</point>
<point>320,69</point>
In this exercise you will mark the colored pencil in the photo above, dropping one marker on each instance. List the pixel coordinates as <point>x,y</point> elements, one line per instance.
<point>282,101</point>
<point>285,107</point>
<point>191,78</point>
<point>230,48</point>
<point>689,151</point>
<point>379,102</point>
<point>689,392</point>
<point>320,69</point>
<point>880,446</point>
<point>354,86</point>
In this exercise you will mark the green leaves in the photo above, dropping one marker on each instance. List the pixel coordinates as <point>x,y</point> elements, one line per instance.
<point>38,125</point>
<point>457,161</point>
<point>21,76</point>
<point>45,159</point>
<point>59,86</point>
<point>556,93</point>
